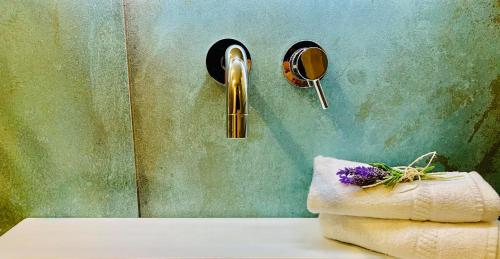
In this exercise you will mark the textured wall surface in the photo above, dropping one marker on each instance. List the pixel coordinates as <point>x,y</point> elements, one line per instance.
<point>65,131</point>
<point>405,78</point>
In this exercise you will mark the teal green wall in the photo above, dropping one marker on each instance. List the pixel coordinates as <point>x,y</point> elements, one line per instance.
<point>65,130</point>
<point>405,78</point>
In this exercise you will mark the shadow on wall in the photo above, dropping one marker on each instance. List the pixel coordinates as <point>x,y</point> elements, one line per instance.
<point>289,146</point>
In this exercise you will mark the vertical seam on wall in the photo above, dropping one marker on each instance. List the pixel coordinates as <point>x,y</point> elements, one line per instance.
<point>137,188</point>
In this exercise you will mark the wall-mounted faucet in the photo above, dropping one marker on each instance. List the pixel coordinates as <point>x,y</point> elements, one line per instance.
<point>228,62</point>
<point>304,65</point>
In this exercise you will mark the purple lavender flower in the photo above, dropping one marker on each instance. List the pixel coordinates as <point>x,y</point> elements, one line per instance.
<point>361,175</point>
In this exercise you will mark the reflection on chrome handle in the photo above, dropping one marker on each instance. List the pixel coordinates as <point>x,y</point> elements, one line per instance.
<point>304,64</point>
<point>321,95</point>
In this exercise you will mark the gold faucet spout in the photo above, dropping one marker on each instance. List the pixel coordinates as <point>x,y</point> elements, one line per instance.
<point>237,98</point>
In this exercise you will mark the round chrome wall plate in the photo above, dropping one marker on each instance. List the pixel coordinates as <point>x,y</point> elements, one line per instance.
<point>292,77</point>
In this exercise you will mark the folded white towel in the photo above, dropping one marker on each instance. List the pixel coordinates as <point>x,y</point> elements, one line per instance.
<point>414,239</point>
<point>464,199</point>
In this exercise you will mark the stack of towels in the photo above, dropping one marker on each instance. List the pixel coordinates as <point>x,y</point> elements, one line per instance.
<point>438,219</point>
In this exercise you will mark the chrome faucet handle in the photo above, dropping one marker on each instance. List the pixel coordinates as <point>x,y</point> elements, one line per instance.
<point>304,65</point>
<point>310,64</point>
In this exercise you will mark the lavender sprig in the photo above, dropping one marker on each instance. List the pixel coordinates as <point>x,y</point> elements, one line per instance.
<point>361,175</point>
<point>380,173</point>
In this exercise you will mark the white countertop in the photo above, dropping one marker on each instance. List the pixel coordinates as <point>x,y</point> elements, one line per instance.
<point>165,238</point>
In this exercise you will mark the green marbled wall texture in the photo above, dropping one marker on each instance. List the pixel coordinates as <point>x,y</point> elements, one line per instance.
<point>405,77</point>
<point>66,144</point>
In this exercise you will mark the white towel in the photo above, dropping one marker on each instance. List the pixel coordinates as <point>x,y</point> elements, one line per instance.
<point>464,199</point>
<point>415,239</point>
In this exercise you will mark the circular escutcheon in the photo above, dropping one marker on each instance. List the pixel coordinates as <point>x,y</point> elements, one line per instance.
<point>292,76</point>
